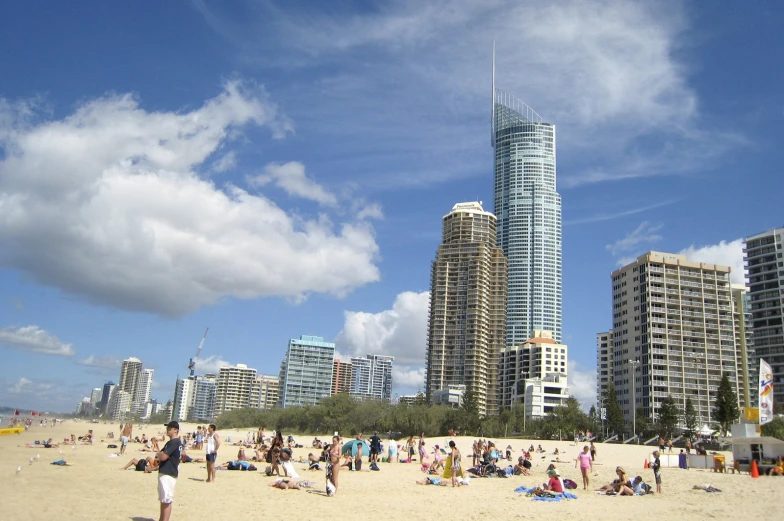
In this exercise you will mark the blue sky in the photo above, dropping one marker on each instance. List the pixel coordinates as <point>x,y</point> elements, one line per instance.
<point>272,169</point>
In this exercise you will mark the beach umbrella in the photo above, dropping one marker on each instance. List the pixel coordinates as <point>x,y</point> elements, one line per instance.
<point>352,446</point>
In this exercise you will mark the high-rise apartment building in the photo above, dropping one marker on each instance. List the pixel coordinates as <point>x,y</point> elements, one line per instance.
<point>748,369</point>
<point>673,333</point>
<point>130,370</point>
<point>119,405</point>
<point>95,397</point>
<point>203,402</point>
<point>528,209</point>
<point>143,390</point>
<point>534,374</point>
<point>183,398</point>
<point>763,254</point>
<point>371,377</point>
<point>106,396</point>
<point>266,392</point>
<point>604,362</point>
<point>234,387</point>
<point>306,371</point>
<point>467,307</point>
<point>341,376</point>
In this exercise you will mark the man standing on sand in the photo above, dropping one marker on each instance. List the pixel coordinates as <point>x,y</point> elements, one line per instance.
<point>168,471</point>
<point>127,430</point>
<point>213,444</point>
<point>375,447</point>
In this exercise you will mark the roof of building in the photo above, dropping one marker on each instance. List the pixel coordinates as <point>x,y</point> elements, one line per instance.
<point>763,440</point>
<point>540,340</point>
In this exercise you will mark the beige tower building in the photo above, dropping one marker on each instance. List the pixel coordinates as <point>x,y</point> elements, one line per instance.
<point>673,333</point>
<point>341,377</point>
<point>604,362</point>
<point>467,322</point>
<point>534,374</point>
<point>234,388</point>
<point>265,392</point>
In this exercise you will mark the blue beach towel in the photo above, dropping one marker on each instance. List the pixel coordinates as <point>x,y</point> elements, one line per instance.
<point>555,499</point>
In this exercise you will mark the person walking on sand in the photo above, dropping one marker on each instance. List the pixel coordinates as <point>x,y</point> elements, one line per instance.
<point>455,462</point>
<point>213,444</point>
<point>586,465</point>
<point>656,467</point>
<point>168,471</point>
<point>593,452</point>
<point>127,430</point>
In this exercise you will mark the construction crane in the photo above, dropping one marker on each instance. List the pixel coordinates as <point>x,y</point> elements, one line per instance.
<point>192,362</point>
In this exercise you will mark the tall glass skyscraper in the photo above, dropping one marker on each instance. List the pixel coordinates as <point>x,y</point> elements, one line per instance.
<point>528,210</point>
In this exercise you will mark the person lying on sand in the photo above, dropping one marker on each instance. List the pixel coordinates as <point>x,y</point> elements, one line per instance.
<point>284,484</point>
<point>185,458</point>
<point>146,465</point>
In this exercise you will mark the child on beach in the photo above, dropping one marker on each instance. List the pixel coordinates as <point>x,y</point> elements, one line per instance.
<point>656,467</point>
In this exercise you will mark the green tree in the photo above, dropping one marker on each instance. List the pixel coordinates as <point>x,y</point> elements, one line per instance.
<point>615,421</point>
<point>774,428</point>
<point>690,419</point>
<point>725,410</point>
<point>668,417</point>
<point>469,417</point>
<point>643,424</point>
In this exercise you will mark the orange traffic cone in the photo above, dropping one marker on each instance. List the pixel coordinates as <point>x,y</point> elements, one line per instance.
<point>754,469</point>
<point>646,466</point>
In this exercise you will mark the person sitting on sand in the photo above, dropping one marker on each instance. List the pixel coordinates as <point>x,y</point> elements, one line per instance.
<point>48,444</point>
<point>636,489</point>
<point>539,449</point>
<point>778,470</point>
<point>520,468</point>
<point>284,484</point>
<point>555,452</point>
<point>438,461</point>
<point>313,462</point>
<point>531,448</point>
<point>555,484</point>
<point>616,484</point>
<point>146,465</point>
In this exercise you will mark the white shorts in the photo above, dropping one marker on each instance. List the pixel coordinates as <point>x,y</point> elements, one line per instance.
<point>166,485</point>
<point>124,440</point>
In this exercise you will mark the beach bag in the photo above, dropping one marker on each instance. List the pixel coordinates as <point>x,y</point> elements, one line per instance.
<point>268,470</point>
<point>569,484</point>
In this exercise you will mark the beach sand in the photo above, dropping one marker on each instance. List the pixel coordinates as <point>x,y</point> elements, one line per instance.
<point>94,487</point>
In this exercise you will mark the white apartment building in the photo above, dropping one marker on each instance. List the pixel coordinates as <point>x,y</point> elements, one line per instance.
<point>203,402</point>
<point>534,373</point>
<point>130,370</point>
<point>183,398</point>
<point>451,396</point>
<point>306,371</point>
<point>119,405</point>
<point>673,333</point>
<point>234,387</point>
<point>604,361</point>
<point>143,390</point>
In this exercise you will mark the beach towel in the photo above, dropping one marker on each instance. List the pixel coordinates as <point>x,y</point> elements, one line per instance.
<point>549,499</point>
<point>61,463</point>
<point>448,469</point>
<point>290,472</point>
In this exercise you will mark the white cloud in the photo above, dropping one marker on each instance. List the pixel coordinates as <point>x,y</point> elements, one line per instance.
<point>290,177</point>
<point>20,386</point>
<point>371,211</point>
<point>618,66</point>
<point>582,385</point>
<point>225,162</point>
<point>725,254</point>
<point>210,364</point>
<point>408,378</point>
<point>400,332</point>
<point>645,233</point>
<point>34,339</point>
<point>611,216</point>
<point>104,362</point>
<point>105,204</point>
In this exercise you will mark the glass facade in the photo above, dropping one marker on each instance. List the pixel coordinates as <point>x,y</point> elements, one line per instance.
<point>528,209</point>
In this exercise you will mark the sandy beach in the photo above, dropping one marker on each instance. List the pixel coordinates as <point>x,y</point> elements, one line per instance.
<point>94,487</point>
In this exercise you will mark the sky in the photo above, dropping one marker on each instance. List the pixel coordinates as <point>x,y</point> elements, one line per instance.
<point>276,169</point>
